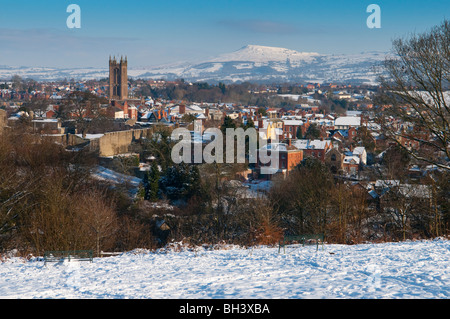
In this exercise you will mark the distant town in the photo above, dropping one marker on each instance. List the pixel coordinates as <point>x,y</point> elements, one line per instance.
<point>338,173</point>
<point>324,121</point>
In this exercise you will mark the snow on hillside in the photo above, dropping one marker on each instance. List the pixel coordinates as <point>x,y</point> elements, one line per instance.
<point>264,54</point>
<point>404,270</point>
<point>109,175</point>
<point>250,63</point>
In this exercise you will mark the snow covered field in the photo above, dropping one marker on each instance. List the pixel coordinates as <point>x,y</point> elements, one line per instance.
<point>406,270</point>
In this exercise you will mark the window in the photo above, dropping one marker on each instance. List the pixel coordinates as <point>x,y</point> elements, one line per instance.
<point>333,157</point>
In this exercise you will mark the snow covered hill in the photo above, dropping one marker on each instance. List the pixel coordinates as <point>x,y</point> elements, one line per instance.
<point>404,270</point>
<point>251,63</point>
<point>265,54</point>
<point>257,63</point>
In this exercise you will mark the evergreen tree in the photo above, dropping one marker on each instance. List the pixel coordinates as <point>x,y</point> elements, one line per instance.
<point>194,182</point>
<point>313,132</point>
<point>249,123</point>
<point>299,133</point>
<point>146,185</point>
<point>262,111</point>
<point>181,182</point>
<point>227,123</point>
<point>153,183</point>
<point>222,87</point>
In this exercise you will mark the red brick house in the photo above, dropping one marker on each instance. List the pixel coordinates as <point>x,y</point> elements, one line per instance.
<point>288,157</point>
<point>291,127</point>
<point>313,148</point>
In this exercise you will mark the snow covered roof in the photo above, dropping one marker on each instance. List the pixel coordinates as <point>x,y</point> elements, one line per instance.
<point>407,190</point>
<point>344,133</point>
<point>45,120</point>
<point>280,147</point>
<point>359,150</point>
<point>311,144</point>
<point>386,183</point>
<point>293,122</point>
<point>194,107</point>
<point>411,190</point>
<point>373,126</point>
<point>351,160</point>
<point>348,121</point>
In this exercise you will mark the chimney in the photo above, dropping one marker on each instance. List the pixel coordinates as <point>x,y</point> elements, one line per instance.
<point>260,123</point>
<point>182,109</point>
<point>207,112</point>
<point>125,107</point>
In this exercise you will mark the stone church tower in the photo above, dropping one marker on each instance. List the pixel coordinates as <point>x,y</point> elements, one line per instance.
<point>118,79</point>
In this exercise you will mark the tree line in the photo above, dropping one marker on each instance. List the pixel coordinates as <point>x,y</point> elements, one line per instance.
<point>211,206</point>
<point>49,200</point>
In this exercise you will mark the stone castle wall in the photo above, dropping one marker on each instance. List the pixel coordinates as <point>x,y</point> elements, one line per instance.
<point>114,143</point>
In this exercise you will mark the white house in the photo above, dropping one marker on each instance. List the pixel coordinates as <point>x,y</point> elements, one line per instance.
<point>360,151</point>
<point>351,164</point>
<point>345,122</point>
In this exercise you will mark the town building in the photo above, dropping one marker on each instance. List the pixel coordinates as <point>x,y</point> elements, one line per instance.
<point>313,148</point>
<point>118,79</point>
<point>288,158</point>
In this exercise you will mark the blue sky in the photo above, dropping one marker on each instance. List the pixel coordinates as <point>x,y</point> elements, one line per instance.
<point>153,32</point>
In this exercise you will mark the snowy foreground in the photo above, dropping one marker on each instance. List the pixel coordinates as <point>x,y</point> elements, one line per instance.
<point>406,270</point>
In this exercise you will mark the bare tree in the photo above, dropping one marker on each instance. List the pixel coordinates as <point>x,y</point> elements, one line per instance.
<point>17,82</point>
<point>407,209</point>
<point>83,107</point>
<point>416,84</point>
<point>98,216</point>
<point>264,224</point>
<point>302,199</point>
<point>38,105</point>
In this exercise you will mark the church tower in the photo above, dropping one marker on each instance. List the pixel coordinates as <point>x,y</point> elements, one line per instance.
<point>118,79</point>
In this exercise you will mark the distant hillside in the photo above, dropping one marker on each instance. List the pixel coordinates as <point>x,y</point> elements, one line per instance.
<point>252,63</point>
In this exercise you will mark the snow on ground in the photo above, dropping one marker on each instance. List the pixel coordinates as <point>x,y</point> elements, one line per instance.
<point>403,270</point>
<point>107,174</point>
